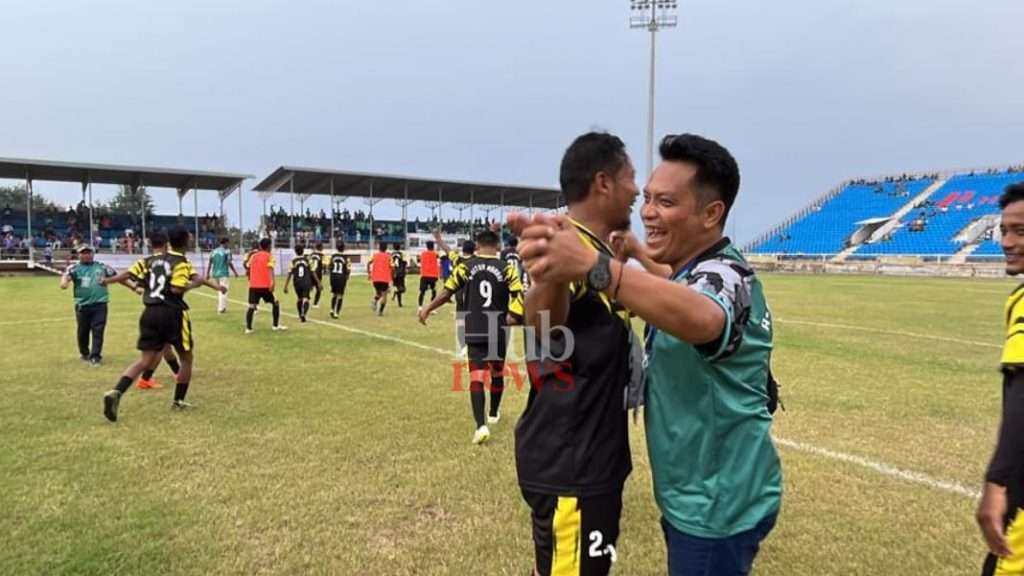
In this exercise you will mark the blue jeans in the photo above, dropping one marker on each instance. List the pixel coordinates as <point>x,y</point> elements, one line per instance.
<point>732,556</point>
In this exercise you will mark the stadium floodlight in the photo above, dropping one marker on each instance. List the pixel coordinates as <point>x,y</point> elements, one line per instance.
<point>652,15</point>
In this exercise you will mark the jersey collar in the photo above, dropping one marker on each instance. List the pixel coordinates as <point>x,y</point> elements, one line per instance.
<point>599,244</point>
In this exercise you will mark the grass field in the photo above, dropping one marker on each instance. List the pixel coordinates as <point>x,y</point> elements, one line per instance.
<point>325,450</point>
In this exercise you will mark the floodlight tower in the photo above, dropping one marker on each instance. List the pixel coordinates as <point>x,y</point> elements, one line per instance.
<point>652,15</point>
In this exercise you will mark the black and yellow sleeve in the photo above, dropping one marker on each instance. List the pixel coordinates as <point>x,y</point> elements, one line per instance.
<point>138,270</point>
<point>458,278</point>
<point>1013,348</point>
<point>182,274</point>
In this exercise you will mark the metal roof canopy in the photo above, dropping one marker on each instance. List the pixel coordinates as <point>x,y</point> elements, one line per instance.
<point>133,176</point>
<point>45,170</point>
<point>313,181</point>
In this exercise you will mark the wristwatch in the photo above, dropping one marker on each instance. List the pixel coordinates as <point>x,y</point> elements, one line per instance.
<point>600,276</point>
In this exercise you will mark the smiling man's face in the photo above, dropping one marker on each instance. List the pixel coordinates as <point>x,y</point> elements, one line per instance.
<point>676,222</point>
<point>1012,228</point>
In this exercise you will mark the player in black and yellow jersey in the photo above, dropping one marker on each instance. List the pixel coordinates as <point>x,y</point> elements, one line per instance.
<point>339,268</point>
<point>399,267</point>
<point>493,300</point>
<point>302,270</point>
<point>165,278</point>
<point>468,249</point>
<point>1001,510</point>
<point>572,446</point>
<point>317,262</point>
<point>158,242</point>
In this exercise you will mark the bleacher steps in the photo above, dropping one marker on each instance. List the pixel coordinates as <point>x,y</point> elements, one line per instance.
<point>964,253</point>
<point>894,219</point>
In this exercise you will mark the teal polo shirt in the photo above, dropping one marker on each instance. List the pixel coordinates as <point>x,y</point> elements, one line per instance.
<point>219,260</point>
<point>86,279</point>
<point>716,472</point>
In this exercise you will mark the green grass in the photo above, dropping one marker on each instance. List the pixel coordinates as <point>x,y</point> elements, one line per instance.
<point>325,451</point>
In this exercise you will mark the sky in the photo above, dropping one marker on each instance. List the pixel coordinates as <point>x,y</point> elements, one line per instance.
<point>805,94</point>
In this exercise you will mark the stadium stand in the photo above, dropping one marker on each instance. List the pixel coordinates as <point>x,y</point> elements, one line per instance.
<point>960,217</point>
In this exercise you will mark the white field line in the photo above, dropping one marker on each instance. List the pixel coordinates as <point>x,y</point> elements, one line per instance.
<point>879,467</point>
<point>882,468</point>
<point>37,321</point>
<point>890,332</point>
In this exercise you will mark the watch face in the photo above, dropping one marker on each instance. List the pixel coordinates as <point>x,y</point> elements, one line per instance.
<point>600,276</point>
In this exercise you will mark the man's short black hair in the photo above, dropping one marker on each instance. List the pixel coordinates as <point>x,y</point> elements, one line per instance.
<point>430,244</point>
<point>487,238</point>
<point>1013,193</point>
<point>589,154</point>
<point>299,249</point>
<point>383,246</point>
<point>224,241</point>
<point>396,246</point>
<point>469,247</point>
<point>717,170</point>
<point>178,236</point>
<point>319,245</point>
<point>158,239</point>
<point>512,242</point>
<point>265,244</point>
<point>340,246</point>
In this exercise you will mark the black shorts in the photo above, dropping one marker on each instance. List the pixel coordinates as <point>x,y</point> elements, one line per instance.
<point>264,294</point>
<point>381,287</point>
<point>400,283</point>
<point>302,292</point>
<point>484,354</point>
<point>338,284</point>
<point>162,325</point>
<point>574,535</point>
<point>428,284</point>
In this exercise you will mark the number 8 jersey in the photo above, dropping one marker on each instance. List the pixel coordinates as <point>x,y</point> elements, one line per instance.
<point>156,274</point>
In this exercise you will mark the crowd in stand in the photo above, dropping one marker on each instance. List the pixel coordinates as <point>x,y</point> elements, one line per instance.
<point>55,229</point>
<point>355,226</point>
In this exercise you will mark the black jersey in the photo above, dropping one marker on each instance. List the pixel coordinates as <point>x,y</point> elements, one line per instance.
<point>158,273</point>
<point>512,257</point>
<point>339,266</point>
<point>490,287</point>
<point>398,265</point>
<point>572,437</point>
<point>301,271</point>
<point>316,262</point>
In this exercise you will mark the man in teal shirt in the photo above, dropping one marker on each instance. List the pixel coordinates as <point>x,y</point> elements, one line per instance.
<point>219,265</point>
<point>91,298</point>
<point>710,394</point>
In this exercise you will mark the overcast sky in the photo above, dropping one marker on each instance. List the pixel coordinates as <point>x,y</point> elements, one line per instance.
<point>805,94</point>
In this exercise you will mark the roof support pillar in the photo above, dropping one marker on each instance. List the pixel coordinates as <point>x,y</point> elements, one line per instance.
<point>28,214</point>
<point>138,192</point>
<point>241,228</point>
<point>291,197</point>
<point>92,242</point>
<point>334,243</point>
<point>195,212</point>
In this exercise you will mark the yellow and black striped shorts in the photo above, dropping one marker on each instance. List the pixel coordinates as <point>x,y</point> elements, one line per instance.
<point>574,536</point>
<point>161,325</point>
<point>1012,565</point>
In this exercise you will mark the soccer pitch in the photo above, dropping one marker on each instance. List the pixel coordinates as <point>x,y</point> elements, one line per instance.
<point>339,447</point>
